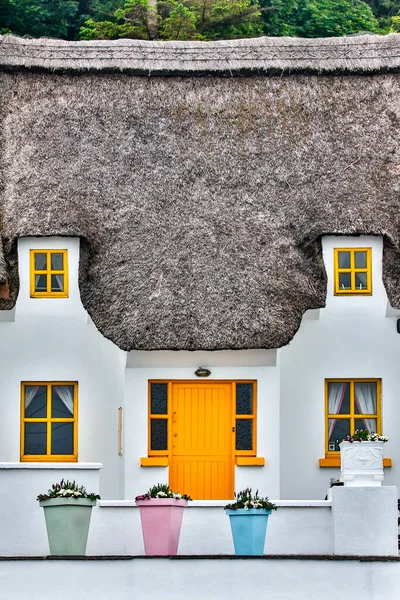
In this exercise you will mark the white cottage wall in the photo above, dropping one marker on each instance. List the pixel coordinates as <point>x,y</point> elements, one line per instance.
<point>166,365</point>
<point>53,340</point>
<point>352,338</point>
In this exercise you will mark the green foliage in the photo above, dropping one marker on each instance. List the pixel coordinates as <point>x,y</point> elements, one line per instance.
<point>67,489</point>
<point>317,18</point>
<point>180,20</point>
<point>247,500</point>
<point>162,490</point>
<point>395,24</point>
<point>37,18</point>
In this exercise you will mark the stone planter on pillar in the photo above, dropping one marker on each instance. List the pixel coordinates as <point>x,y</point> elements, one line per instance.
<point>361,463</point>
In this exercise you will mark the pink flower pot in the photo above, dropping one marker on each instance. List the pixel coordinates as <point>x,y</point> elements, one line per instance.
<point>161,525</point>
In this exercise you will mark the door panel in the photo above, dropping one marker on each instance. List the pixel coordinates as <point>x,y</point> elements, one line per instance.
<point>201,462</point>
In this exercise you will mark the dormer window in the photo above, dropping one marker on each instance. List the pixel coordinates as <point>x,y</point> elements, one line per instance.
<point>49,273</point>
<point>353,273</point>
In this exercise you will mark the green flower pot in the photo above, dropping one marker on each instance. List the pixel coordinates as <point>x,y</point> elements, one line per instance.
<point>67,523</point>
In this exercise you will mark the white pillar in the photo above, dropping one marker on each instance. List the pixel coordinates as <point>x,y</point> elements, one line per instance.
<point>365,521</point>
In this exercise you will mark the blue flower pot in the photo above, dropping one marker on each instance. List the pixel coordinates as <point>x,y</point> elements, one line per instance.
<point>249,528</point>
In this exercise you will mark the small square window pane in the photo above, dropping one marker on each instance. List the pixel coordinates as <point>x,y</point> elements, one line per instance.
<point>368,424</point>
<point>361,281</point>
<point>35,401</point>
<point>62,438</point>
<point>365,398</point>
<point>57,261</point>
<point>344,260</point>
<point>344,281</point>
<point>244,434</point>
<point>57,283</point>
<point>338,398</point>
<point>338,429</point>
<point>159,398</point>
<point>62,401</point>
<point>244,399</point>
<point>360,260</point>
<point>40,261</point>
<point>159,434</point>
<point>35,438</point>
<point>40,283</point>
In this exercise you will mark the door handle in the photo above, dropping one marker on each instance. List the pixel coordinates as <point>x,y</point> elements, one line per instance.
<point>175,435</point>
<point>233,430</point>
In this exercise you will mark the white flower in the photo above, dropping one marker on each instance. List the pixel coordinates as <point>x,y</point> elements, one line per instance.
<point>161,495</point>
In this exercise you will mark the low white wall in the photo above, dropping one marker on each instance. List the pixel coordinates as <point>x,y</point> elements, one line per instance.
<point>200,579</point>
<point>206,531</point>
<point>22,524</point>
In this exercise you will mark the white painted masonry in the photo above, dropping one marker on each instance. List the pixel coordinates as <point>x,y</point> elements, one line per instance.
<point>54,340</point>
<point>351,338</point>
<point>200,579</point>
<point>51,340</point>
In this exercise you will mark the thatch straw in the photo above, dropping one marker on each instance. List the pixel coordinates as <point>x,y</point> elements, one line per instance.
<point>201,201</point>
<point>364,53</point>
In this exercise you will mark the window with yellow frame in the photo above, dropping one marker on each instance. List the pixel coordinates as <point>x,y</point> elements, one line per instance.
<point>350,404</point>
<point>49,273</point>
<point>49,418</point>
<point>353,272</point>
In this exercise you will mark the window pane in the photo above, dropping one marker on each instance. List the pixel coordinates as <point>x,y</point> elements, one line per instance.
<point>40,262</point>
<point>365,398</point>
<point>361,281</point>
<point>57,261</point>
<point>35,438</point>
<point>344,281</point>
<point>244,434</point>
<point>244,398</point>
<point>62,401</point>
<point>159,434</point>
<point>62,438</point>
<point>57,283</point>
<point>35,402</point>
<point>360,260</point>
<point>159,399</point>
<point>338,398</point>
<point>368,424</point>
<point>338,429</point>
<point>344,260</point>
<point>40,283</point>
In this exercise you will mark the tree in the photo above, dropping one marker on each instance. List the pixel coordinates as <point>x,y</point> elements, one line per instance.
<point>317,18</point>
<point>179,19</point>
<point>37,18</point>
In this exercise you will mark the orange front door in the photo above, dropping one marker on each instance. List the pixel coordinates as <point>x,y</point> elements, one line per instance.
<point>201,460</point>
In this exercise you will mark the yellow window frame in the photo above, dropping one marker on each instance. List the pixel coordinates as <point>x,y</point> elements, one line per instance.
<point>48,273</point>
<point>352,270</point>
<point>352,416</point>
<point>168,415</point>
<point>49,420</point>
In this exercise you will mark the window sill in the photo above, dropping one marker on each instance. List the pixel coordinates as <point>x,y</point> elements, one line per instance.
<point>250,461</point>
<point>154,461</point>
<point>335,462</point>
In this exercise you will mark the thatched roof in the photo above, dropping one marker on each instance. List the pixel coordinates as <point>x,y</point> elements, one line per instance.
<point>353,54</point>
<point>201,201</point>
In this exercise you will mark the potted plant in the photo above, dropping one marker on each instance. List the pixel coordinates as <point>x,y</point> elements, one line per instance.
<point>361,458</point>
<point>67,511</point>
<point>161,512</point>
<point>248,517</point>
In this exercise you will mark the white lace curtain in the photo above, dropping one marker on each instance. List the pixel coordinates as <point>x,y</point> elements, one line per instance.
<point>64,392</point>
<point>337,392</point>
<point>365,399</point>
<point>66,395</point>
